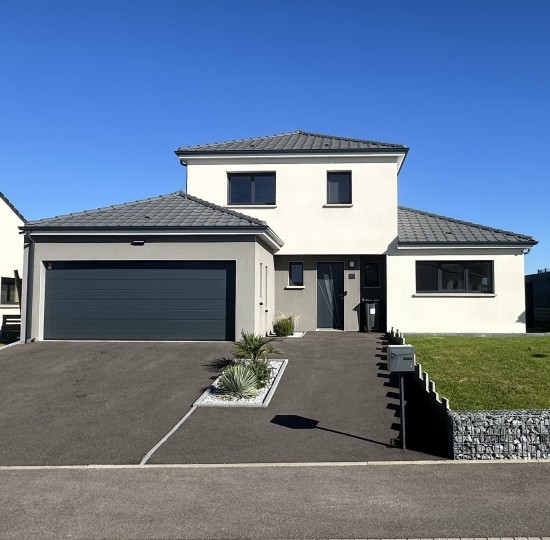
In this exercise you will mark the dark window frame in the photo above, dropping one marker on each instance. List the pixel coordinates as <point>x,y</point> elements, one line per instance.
<point>329,173</point>
<point>8,291</point>
<point>465,276</point>
<point>291,284</point>
<point>253,176</point>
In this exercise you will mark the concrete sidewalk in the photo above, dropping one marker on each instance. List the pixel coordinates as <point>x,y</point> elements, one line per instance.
<point>434,500</point>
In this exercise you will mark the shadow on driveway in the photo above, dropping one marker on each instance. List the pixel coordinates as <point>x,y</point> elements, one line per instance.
<point>335,402</point>
<point>80,403</point>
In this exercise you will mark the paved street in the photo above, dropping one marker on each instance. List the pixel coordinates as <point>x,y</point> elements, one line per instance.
<point>376,501</point>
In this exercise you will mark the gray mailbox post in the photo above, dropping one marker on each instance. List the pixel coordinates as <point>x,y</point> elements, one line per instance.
<point>401,360</point>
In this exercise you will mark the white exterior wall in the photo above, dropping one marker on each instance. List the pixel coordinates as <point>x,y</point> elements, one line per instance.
<point>503,312</point>
<point>300,216</point>
<point>11,250</point>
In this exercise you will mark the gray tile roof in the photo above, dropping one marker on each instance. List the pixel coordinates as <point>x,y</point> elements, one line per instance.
<point>10,205</point>
<point>295,141</point>
<point>175,211</point>
<point>421,228</point>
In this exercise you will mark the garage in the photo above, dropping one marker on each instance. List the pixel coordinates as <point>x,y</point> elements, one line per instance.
<point>140,300</point>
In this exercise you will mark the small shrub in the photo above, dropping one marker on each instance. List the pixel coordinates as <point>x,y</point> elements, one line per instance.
<point>238,381</point>
<point>254,346</point>
<point>284,325</point>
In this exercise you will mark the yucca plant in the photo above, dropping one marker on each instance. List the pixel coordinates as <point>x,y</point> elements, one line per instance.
<point>238,381</point>
<point>254,346</point>
<point>262,370</point>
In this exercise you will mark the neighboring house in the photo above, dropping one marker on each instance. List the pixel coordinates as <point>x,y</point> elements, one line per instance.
<point>320,234</point>
<point>538,295</point>
<point>11,256</point>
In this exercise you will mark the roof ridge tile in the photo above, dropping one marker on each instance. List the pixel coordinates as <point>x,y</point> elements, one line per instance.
<point>208,204</point>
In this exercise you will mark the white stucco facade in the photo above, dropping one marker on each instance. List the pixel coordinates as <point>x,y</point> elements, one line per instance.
<point>301,215</point>
<point>11,246</point>
<point>314,231</point>
<point>412,312</point>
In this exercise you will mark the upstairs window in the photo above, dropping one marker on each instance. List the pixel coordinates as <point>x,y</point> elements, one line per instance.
<point>252,188</point>
<point>339,188</point>
<point>8,291</point>
<point>454,276</point>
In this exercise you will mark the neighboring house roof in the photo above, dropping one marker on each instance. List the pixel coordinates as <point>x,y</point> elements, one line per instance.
<point>15,211</point>
<point>295,141</point>
<point>177,210</point>
<point>422,228</point>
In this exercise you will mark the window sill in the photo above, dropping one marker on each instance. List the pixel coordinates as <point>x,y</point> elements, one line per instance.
<point>336,205</point>
<point>294,287</point>
<point>251,205</point>
<point>454,295</point>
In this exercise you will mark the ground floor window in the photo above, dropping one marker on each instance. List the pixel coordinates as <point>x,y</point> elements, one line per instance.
<point>8,291</point>
<point>296,274</point>
<point>454,276</point>
<point>371,275</point>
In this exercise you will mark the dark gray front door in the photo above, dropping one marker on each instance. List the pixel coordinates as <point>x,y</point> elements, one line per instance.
<point>140,300</point>
<point>330,295</point>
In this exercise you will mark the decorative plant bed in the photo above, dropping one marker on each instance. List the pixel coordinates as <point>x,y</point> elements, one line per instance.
<point>293,335</point>
<point>213,398</point>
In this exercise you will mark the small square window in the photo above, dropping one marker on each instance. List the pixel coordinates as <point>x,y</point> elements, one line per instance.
<point>296,274</point>
<point>8,291</point>
<point>251,188</point>
<point>339,188</point>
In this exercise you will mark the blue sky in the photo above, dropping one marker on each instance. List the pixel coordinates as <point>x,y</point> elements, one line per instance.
<point>96,95</point>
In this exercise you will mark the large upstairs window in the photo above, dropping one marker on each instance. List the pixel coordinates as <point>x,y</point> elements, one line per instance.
<point>251,188</point>
<point>454,277</point>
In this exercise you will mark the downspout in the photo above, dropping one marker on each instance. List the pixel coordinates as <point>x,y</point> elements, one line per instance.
<point>29,242</point>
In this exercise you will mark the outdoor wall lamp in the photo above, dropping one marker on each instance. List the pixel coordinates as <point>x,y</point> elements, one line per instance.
<point>138,242</point>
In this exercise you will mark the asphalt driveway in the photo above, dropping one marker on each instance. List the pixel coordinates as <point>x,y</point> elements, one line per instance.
<point>67,403</point>
<point>335,402</point>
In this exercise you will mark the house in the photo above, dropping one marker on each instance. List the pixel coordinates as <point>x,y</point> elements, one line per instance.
<point>537,290</point>
<point>297,222</point>
<point>11,257</point>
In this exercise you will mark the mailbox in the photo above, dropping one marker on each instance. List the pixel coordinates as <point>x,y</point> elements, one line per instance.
<point>400,358</point>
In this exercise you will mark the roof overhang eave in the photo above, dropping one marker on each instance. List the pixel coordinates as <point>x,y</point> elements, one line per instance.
<point>264,232</point>
<point>466,245</point>
<point>182,154</point>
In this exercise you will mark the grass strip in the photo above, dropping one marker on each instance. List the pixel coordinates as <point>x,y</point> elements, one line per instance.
<point>477,373</point>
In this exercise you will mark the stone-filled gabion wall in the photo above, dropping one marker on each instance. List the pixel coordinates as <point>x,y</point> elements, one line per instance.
<point>501,434</point>
<point>497,434</point>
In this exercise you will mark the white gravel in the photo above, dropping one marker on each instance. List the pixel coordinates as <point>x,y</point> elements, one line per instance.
<point>212,399</point>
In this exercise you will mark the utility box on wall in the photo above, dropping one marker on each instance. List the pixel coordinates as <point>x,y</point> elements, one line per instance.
<point>400,358</point>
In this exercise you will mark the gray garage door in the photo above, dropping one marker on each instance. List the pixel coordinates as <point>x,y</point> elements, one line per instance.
<point>145,300</point>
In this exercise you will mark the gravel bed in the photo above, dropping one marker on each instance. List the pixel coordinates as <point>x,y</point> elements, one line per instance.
<point>211,398</point>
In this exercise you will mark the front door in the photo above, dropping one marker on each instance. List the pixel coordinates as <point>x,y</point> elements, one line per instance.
<point>330,295</point>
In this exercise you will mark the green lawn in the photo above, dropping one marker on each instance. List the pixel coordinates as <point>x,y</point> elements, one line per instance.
<point>477,373</point>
